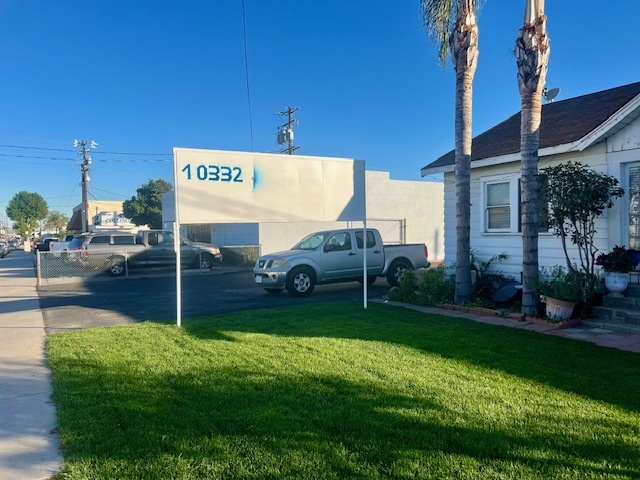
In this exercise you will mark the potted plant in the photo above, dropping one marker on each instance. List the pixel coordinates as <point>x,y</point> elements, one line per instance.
<point>617,264</point>
<point>562,290</point>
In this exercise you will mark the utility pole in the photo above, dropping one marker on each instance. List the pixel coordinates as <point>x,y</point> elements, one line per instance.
<point>83,151</point>
<point>285,132</point>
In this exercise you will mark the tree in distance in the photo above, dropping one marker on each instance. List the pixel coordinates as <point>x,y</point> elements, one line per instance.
<point>26,209</point>
<point>57,221</point>
<point>146,207</point>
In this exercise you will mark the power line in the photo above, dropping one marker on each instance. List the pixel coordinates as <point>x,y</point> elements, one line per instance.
<point>73,151</point>
<point>246,70</point>
<point>134,153</point>
<point>39,148</point>
<point>35,157</point>
<point>103,160</point>
<point>110,193</point>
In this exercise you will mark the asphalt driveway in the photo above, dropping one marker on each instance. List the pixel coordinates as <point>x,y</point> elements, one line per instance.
<point>122,301</point>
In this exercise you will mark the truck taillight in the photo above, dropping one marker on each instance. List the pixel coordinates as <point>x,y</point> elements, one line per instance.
<point>426,252</point>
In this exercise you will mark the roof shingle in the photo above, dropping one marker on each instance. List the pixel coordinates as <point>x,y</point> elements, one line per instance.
<point>563,122</point>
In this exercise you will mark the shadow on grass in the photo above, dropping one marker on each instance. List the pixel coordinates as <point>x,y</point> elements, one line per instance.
<point>240,423</point>
<point>595,372</point>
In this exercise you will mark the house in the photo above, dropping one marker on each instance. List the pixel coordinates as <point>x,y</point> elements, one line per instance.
<point>601,130</point>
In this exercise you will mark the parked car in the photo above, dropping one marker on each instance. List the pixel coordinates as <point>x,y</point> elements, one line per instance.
<point>43,246</point>
<point>34,243</point>
<point>333,256</point>
<point>116,250</point>
<point>57,247</point>
<point>4,249</point>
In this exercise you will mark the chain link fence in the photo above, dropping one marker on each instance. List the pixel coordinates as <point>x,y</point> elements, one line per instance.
<point>78,266</point>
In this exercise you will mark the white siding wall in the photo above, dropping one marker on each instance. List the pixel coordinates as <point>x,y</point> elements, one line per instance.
<point>486,245</point>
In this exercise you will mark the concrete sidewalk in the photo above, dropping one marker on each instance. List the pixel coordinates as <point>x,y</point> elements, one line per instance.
<point>29,444</point>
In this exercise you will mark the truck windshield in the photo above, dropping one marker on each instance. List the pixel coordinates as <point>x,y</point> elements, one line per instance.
<point>310,242</point>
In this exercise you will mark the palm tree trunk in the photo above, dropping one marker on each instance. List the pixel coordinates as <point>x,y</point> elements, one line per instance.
<point>463,43</point>
<point>532,56</point>
<point>529,142</point>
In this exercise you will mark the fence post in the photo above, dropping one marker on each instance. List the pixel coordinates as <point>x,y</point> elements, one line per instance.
<point>38,278</point>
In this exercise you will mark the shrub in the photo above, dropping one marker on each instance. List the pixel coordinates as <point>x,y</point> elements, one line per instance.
<point>244,256</point>
<point>577,195</point>
<point>406,291</point>
<point>434,287</point>
<point>561,283</point>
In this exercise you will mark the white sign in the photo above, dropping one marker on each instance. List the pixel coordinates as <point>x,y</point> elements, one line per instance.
<point>111,218</point>
<point>217,186</point>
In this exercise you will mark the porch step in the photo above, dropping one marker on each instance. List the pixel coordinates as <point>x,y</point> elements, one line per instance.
<point>613,325</point>
<point>618,312</point>
<point>627,302</point>
<point>633,290</point>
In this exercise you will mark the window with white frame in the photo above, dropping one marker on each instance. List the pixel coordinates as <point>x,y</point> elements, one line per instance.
<point>498,207</point>
<point>502,206</point>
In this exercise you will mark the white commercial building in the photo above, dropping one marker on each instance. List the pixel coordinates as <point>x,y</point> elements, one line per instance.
<point>403,211</point>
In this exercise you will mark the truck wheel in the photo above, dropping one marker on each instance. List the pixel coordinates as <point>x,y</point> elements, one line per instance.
<point>206,261</point>
<point>273,291</point>
<point>117,266</point>
<point>396,271</point>
<point>300,281</point>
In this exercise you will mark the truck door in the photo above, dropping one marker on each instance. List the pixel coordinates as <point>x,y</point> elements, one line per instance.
<point>339,257</point>
<point>159,249</point>
<point>375,253</point>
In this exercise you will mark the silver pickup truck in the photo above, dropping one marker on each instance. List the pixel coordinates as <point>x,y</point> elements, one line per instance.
<point>334,256</point>
<point>57,247</point>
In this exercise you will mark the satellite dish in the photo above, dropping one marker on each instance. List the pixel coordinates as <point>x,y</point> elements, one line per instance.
<point>549,95</point>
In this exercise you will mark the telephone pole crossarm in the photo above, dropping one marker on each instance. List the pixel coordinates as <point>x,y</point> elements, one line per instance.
<point>285,131</point>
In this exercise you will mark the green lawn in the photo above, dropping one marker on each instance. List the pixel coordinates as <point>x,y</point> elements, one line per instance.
<point>335,391</point>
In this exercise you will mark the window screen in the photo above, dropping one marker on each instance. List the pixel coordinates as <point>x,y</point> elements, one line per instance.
<point>498,209</point>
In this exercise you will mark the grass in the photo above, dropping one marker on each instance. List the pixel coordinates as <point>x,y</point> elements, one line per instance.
<point>335,391</point>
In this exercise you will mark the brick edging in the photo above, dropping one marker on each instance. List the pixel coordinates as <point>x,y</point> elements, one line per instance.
<point>489,312</point>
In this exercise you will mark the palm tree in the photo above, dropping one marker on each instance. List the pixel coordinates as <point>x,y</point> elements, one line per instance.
<point>452,25</point>
<point>56,220</point>
<point>532,56</point>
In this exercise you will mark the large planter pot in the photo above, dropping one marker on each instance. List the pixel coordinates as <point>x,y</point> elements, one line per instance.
<point>559,310</point>
<point>616,282</point>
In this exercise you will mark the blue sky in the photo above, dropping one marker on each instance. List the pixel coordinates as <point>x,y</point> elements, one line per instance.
<point>141,77</point>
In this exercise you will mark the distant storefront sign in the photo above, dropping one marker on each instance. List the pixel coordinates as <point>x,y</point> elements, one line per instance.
<point>112,220</point>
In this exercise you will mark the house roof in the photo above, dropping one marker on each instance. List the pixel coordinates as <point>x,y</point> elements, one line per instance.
<point>576,123</point>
